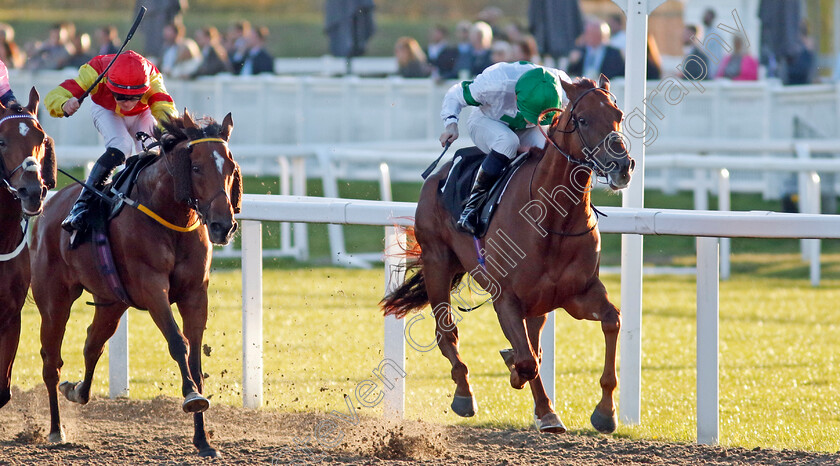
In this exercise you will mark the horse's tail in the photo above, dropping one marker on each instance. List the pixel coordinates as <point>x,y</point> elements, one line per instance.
<point>411,295</point>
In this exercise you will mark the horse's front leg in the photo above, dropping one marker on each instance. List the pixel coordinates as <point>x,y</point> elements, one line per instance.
<point>595,305</point>
<point>194,313</point>
<point>9,338</point>
<point>106,319</point>
<point>509,312</point>
<point>546,418</point>
<point>161,313</point>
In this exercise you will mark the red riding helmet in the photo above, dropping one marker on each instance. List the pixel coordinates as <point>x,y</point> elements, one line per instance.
<point>129,75</point>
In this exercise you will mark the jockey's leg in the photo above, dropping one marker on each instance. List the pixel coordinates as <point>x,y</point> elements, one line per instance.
<point>490,170</point>
<point>99,174</point>
<point>118,142</point>
<point>500,143</point>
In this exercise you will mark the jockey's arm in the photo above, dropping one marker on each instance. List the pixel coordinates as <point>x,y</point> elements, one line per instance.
<point>70,89</point>
<point>161,103</point>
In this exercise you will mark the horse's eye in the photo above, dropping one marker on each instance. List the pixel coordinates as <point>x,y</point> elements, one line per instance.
<point>195,169</point>
<point>582,121</point>
<point>2,143</point>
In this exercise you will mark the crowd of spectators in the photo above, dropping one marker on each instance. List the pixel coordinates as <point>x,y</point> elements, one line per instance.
<point>600,48</point>
<point>208,52</point>
<point>460,54</point>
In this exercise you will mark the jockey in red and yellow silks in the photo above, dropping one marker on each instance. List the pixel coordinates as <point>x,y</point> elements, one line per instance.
<point>130,98</point>
<point>154,95</point>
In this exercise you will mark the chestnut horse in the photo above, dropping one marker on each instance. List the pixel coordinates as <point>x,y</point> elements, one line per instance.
<point>195,179</point>
<point>27,170</point>
<point>541,252</point>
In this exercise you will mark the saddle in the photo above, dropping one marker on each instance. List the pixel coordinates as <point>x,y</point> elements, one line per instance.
<point>101,211</point>
<point>455,189</point>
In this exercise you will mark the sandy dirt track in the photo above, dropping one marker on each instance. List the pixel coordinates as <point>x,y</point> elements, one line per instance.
<point>137,432</point>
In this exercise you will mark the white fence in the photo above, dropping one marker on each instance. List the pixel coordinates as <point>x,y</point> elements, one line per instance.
<point>702,166</point>
<point>707,226</point>
<point>307,109</point>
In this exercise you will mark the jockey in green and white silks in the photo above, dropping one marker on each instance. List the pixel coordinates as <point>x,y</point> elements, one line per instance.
<point>510,98</point>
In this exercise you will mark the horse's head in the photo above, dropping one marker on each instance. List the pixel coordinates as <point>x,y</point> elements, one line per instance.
<point>206,176</point>
<point>596,119</point>
<point>27,157</point>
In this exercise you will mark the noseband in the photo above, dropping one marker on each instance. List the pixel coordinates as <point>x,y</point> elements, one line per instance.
<point>29,164</point>
<point>591,164</point>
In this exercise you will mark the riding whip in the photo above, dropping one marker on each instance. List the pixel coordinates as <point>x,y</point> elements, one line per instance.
<point>431,167</point>
<point>120,51</point>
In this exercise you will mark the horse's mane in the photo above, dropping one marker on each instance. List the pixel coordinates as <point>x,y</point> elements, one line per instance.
<point>177,132</point>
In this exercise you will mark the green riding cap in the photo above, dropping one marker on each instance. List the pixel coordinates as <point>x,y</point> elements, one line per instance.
<point>537,90</point>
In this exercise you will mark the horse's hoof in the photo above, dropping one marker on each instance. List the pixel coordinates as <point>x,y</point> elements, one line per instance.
<point>68,389</point>
<point>57,437</point>
<point>550,423</point>
<point>209,452</point>
<point>603,424</point>
<point>195,403</point>
<point>464,406</point>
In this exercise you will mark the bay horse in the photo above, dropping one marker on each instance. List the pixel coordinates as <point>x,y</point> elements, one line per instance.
<point>27,171</point>
<point>194,181</point>
<point>541,252</point>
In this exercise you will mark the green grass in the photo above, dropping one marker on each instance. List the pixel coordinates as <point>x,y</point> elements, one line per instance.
<point>323,334</point>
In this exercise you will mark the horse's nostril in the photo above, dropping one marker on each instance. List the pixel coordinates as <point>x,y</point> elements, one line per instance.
<point>632,165</point>
<point>23,192</point>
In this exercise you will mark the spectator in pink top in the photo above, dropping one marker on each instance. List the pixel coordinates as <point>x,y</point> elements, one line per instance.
<point>6,95</point>
<point>738,66</point>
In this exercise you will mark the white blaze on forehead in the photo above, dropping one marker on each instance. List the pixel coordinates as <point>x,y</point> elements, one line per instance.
<point>220,161</point>
<point>23,128</point>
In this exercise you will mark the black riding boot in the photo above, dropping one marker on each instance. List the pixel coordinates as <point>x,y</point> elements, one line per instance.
<point>490,170</point>
<point>99,174</point>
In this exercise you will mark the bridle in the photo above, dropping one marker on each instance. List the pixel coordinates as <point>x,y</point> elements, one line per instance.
<point>587,162</point>
<point>193,202</point>
<point>591,164</point>
<point>29,163</point>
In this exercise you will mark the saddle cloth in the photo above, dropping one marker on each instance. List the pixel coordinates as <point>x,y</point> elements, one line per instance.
<point>455,189</point>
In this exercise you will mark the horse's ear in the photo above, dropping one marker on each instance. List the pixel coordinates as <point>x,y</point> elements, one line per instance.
<point>570,90</point>
<point>188,120</point>
<point>227,127</point>
<point>49,167</point>
<point>34,98</point>
<point>604,82</point>
<point>236,190</point>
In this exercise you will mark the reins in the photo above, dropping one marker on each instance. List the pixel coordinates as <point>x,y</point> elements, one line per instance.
<point>593,166</point>
<point>192,202</point>
<point>24,226</point>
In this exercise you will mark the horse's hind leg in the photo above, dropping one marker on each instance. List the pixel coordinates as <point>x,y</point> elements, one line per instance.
<point>438,272</point>
<point>594,305</point>
<point>547,419</point>
<point>106,319</point>
<point>194,314</point>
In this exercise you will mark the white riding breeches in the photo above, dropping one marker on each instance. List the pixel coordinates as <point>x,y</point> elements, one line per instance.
<point>489,134</point>
<point>119,131</point>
